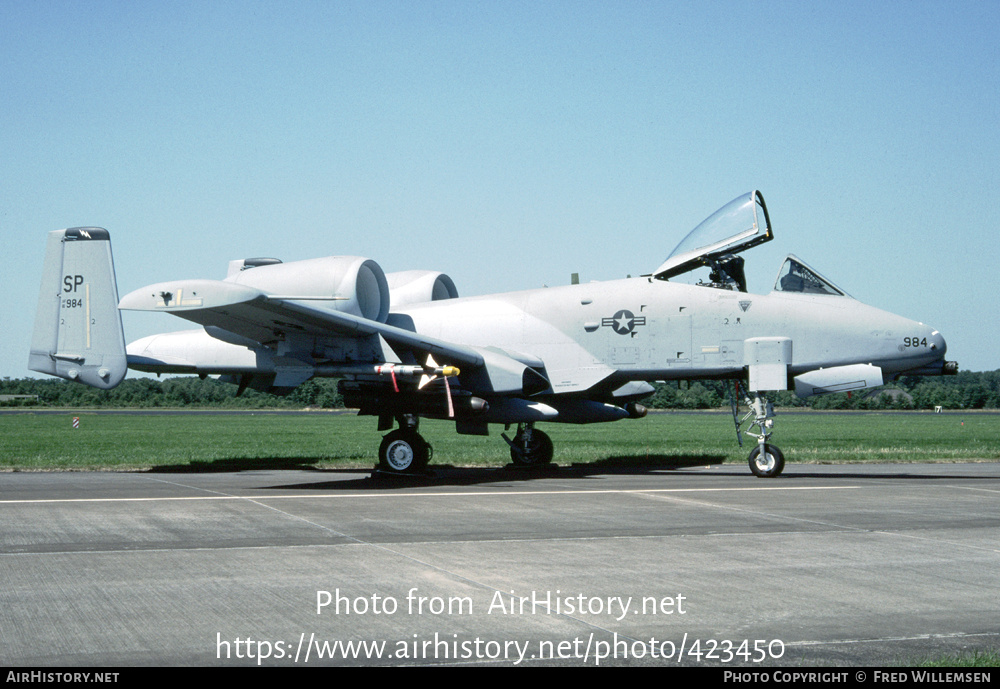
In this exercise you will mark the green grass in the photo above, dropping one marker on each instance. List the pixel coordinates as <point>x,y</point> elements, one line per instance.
<point>228,442</point>
<point>970,659</point>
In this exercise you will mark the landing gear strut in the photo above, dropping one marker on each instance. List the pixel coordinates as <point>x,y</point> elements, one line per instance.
<point>766,460</point>
<point>404,451</point>
<point>530,447</point>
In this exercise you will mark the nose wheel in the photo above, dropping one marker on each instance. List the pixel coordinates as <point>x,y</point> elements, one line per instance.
<point>766,460</point>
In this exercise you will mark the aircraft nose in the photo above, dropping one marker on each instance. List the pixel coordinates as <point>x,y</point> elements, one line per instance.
<point>929,349</point>
<point>936,343</point>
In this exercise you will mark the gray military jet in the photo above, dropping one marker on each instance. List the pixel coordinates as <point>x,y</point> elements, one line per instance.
<point>405,346</point>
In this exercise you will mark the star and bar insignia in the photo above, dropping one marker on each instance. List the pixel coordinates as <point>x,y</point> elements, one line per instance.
<point>624,322</point>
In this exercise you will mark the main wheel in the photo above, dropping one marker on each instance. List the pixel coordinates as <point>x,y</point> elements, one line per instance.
<point>537,452</point>
<point>767,464</point>
<point>403,451</point>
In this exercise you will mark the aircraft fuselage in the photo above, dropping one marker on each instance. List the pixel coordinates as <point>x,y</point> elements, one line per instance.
<point>648,329</point>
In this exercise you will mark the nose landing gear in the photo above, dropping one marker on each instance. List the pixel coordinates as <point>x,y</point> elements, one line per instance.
<point>766,460</point>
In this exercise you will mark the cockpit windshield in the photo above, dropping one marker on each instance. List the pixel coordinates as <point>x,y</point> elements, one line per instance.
<point>796,276</point>
<point>739,225</point>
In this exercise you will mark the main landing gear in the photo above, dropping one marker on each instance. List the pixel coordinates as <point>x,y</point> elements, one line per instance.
<point>530,447</point>
<point>766,460</point>
<point>404,451</point>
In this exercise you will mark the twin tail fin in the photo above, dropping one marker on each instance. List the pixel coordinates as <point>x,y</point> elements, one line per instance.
<point>78,330</point>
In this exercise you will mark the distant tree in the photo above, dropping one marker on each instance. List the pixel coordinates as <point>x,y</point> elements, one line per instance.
<point>967,390</point>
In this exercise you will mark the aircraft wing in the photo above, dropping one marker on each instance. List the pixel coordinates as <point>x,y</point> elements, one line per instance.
<point>268,319</point>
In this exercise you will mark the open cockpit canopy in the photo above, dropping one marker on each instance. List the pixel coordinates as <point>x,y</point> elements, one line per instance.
<point>739,225</point>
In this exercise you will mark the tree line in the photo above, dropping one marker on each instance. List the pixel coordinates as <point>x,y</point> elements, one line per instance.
<point>967,390</point>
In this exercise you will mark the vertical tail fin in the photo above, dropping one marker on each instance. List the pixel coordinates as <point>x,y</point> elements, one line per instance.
<point>78,329</point>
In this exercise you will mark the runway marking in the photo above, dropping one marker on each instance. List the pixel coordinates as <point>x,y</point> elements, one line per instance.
<point>398,553</point>
<point>826,524</point>
<point>397,496</point>
<point>985,490</point>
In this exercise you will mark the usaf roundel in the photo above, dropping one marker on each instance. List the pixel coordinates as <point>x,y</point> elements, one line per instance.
<point>624,322</point>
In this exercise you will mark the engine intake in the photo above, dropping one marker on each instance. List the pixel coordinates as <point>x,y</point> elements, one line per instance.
<point>418,286</point>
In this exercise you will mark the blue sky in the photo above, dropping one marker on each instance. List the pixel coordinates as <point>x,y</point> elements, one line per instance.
<point>508,144</point>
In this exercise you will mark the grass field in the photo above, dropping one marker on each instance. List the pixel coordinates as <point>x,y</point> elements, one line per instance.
<point>32,442</point>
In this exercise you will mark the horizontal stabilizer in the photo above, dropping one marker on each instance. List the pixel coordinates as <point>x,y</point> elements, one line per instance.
<point>188,295</point>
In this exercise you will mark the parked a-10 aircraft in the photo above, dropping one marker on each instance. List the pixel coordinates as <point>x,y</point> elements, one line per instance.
<point>405,346</point>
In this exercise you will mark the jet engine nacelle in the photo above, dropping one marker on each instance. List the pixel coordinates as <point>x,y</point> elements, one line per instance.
<point>418,286</point>
<point>357,284</point>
